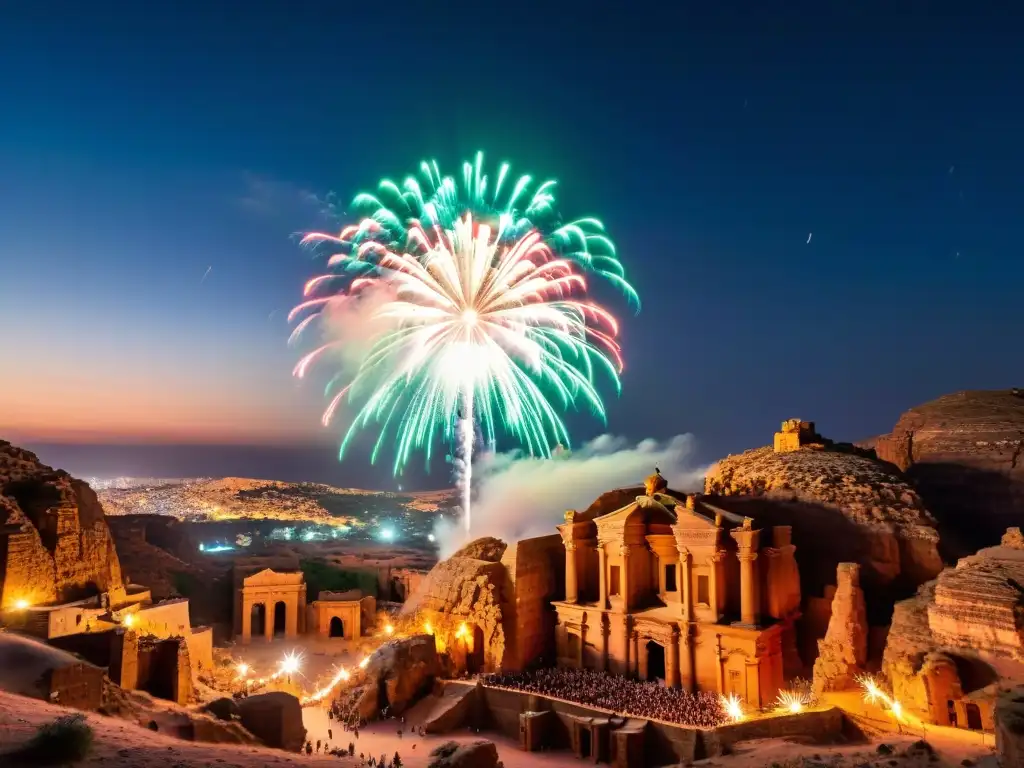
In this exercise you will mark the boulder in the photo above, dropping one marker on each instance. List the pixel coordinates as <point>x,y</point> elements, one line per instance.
<point>963,454</point>
<point>487,548</point>
<point>473,754</point>
<point>1010,727</point>
<point>842,653</point>
<point>223,709</point>
<point>275,719</point>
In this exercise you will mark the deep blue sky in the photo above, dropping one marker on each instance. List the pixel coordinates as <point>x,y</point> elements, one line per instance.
<point>141,143</point>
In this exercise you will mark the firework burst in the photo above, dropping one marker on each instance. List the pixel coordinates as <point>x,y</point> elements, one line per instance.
<point>483,303</point>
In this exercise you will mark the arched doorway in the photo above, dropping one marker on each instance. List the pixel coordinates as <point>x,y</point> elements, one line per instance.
<point>280,618</point>
<point>337,627</point>
<point>973,716</point>
<point>475,659</point>
<point>258,620</point>
<point>655,661</point>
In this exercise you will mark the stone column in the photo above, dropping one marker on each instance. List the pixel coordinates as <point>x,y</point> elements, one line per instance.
<point>605,632</point>
<point>624,581</point>
<point>602,577</point>
<point>636,652</point>
<point>687,585</point>
<point>269,612</point>
<point>748,608</point>
<point>628,644</point>
<point>746,552</point>
<point>672,662</point>
<point>713,597</point>
<point>246,620</point>
<point>688,678</point>
<point>571,588</point>
<point>291,617</point>
<point>718,664</point>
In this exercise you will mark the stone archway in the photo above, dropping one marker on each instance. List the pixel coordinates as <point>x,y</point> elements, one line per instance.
<point>973,716</point>
<point>258,622</point>
<point>337,628</point>
<point>280,618</point>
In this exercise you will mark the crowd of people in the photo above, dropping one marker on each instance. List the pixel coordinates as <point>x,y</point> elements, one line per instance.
<point>622,696</point>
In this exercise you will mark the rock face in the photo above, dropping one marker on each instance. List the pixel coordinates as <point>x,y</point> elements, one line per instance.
<point>963,454</point>
<point>275,719</point>
<point>844,507</point>
<point>466,589</point>
<point>961,633</point>
<point>54,542</point>
<point>473,754</point>
<point>1010,727</point>
<point>843,652</point>
<point>396,676</point>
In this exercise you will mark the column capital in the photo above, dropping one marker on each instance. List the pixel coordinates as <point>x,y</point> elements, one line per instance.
<point>746,556</point>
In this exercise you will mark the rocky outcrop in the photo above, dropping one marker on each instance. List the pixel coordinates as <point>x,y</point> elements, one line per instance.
<point>473,754</point>
<point>54,541</point>
<point>843,652</point>
<point>461,600</point>
<point>275,719</point>
<point>1010,727</point>
<point>396,676</point>
<point>961,632</point>
<point>843,506</point>
<point>963,452</point>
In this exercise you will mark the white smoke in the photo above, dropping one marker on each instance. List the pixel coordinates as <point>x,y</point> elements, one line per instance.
<point>517,497</point>
<point>355,321</point>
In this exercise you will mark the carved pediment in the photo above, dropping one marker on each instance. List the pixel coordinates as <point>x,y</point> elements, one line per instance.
<point>271,578</point>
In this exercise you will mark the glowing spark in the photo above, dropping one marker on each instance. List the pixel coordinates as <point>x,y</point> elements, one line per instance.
<point>21,605</point>
<point>243,669</point>
<point>389,630</point>
<point>463,631</point>
<point>484,316</point>
<point>364,662</point>
<point>733,707</point>
<point>791,701</point>
<point>341,676</point>
<point>427,628</point>
<point>291,663</point>
<point>897,710</point>
<point>129,620</point>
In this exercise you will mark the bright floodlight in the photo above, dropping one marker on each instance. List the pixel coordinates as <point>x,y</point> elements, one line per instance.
<point>389,630</point>
<point>243,669</point>
<point>430,537</point>
<point>21,605</point>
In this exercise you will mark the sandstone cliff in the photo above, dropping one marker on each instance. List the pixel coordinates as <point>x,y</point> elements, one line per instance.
<point>965,629</point>
<point>963,453</point>
<point>843,507</point>
<point>466,589</point>
<point>54,540</point>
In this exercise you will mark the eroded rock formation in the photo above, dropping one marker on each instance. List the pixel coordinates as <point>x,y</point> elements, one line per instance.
<point>963,452</point>
<point>397,675</point>
<point>466,589</point>
<point>472,754</point>
<point>842,653</point>
<point>1010,727</point>
<point>960,634</point>
<point>54,541</point>
<point>843,507</point>
<point>275,719</point>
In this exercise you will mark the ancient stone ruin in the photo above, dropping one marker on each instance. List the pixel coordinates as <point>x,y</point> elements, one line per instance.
<point>842,653</point>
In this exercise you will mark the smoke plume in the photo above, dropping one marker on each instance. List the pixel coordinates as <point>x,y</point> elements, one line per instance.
<point>516,496</point>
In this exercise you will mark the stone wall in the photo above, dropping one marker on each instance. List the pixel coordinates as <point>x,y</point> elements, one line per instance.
<point>1010,727</point>
<point>536,571</point>
<point>165,670</point>
<point>56,543</point>
<point>78,686</point>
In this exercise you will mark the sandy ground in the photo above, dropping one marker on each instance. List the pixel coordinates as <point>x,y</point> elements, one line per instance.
<point>123,744</point>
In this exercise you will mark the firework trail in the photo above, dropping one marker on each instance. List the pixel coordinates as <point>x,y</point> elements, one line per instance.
<point>481,300</point>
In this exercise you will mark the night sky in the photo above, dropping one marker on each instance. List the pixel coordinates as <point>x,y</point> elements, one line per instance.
<point>143,143</point>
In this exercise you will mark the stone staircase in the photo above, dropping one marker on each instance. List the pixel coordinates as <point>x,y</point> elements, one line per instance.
<point>443,712</point>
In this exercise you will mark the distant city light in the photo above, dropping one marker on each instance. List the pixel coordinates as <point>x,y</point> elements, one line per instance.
<point>431,537</point>
<point>21,605</point>
<point>387,533</point>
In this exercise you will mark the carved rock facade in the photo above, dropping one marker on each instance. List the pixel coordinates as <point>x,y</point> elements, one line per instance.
<point>842,653</point>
